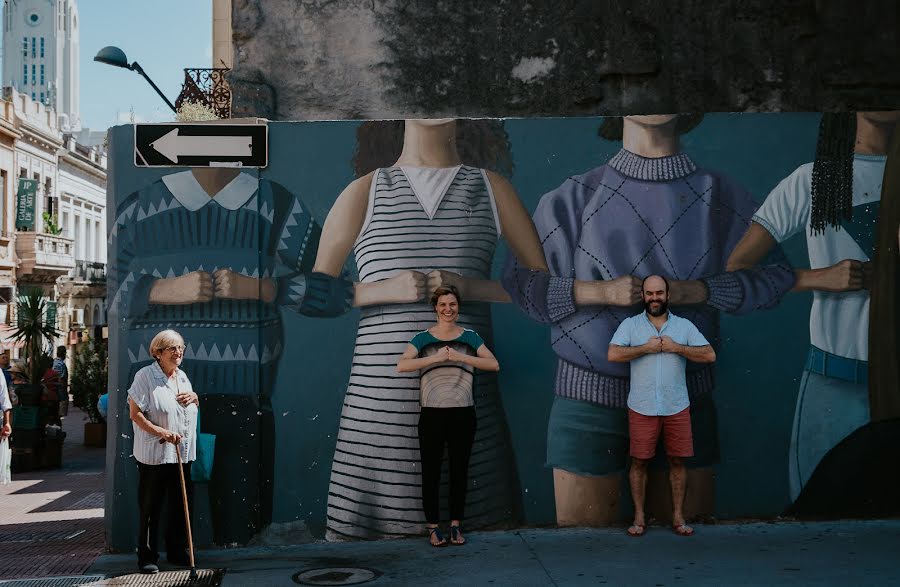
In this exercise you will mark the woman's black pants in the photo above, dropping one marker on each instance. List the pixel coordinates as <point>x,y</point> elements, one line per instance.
<point>160,484</point>
<point>455,429</point>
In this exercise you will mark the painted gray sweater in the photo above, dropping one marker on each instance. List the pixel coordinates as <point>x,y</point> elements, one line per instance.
<point>639,216</point>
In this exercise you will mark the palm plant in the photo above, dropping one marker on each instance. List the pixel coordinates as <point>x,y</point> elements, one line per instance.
<point>33,329</point>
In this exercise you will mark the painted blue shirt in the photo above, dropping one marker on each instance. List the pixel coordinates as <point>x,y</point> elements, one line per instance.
<point>658,385</point>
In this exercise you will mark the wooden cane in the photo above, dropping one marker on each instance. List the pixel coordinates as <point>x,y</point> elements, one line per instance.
<point>187,515</point>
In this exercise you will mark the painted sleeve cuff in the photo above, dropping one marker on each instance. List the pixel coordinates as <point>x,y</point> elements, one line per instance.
<point>725,292</point>
<point>560,298</point>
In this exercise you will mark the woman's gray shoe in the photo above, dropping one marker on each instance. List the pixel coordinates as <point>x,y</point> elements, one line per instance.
<point>149,568</point>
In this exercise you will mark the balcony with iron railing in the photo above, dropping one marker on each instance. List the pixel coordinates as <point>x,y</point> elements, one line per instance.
<point>208,87</point>
<point>90,271</point>
<point>44,256</point>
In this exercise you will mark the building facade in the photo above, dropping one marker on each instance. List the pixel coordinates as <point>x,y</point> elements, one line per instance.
<point>41,52</point>
<point>62,250</point>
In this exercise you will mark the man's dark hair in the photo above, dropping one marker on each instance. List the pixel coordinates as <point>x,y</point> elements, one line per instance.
<point>666,281</point>
<point>443,291</point>
<point>61,352</point>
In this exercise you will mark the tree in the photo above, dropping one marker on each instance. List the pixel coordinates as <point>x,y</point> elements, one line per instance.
<point>33,329</point>
<point>89,377</point>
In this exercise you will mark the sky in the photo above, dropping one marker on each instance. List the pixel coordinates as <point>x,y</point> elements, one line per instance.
<point>163,36</point>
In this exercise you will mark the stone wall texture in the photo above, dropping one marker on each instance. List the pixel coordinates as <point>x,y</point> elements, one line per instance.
<point>350,59</point>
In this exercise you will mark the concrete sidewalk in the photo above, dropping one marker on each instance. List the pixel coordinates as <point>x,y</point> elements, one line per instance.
<point>51,520</point>
<point>785,553</point>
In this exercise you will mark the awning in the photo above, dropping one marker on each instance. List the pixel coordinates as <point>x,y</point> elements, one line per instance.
<point>6,338</point>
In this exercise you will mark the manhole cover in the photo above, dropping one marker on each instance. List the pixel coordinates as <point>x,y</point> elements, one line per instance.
<point>335,576</point>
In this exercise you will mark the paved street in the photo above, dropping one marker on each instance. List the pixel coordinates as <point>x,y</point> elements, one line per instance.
<point>51,521</point>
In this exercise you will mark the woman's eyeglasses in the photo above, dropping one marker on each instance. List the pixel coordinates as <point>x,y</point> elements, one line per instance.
<point>175,349</point>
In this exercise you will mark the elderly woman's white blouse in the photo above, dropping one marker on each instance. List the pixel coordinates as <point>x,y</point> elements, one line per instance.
<point>154,394</point>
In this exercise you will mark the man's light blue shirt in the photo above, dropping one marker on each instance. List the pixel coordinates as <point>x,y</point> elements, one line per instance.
<point>658,385</point>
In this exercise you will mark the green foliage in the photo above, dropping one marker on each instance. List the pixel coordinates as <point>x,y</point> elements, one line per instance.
<point>50,224</point>
<point>88,379</point>
<point>32,329</point>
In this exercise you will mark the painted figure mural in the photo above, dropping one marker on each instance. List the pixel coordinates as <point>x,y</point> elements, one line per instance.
<point>215,253</point>
<point>431,218</point>
<point>835,201</point>
<point>649,210</point>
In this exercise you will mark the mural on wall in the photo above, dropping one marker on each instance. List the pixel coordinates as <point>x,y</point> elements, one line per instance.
<point>213,253</point>
<point>295,361</point>
<point>649,211</point>
<point>429,214</point>
<point>835,201</point>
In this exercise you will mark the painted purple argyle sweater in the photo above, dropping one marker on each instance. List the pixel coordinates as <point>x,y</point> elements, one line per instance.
<point>639,216</point>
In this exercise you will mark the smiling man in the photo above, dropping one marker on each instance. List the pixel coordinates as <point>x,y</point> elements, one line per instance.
<point>658,344</point>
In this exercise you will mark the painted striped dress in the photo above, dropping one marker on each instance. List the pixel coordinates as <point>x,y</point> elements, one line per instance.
<point>375,489</point>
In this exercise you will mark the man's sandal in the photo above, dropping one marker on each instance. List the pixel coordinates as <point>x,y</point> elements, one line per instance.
<point>436,532</point>
<point>683,530</point>
<point>636,530</point>
<point>456,537</point>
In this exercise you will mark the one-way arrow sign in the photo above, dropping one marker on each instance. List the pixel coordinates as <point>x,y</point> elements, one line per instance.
<point>200,145</point>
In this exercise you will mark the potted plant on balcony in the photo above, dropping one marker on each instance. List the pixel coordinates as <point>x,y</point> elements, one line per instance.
<point>88,382</point>
<point>36,334</point>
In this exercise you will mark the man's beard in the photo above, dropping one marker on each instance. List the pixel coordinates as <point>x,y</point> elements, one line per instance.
<point>663,307</point>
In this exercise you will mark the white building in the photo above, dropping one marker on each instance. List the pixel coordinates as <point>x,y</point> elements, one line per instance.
<point>40,54</point>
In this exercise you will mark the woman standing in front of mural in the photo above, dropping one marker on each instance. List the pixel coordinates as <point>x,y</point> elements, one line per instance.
<point>163,409</point>
<point>650,210</point>
<point>216,253</point>
<point>446,356</point>
<point>836,201</point>
<point>429,219</point>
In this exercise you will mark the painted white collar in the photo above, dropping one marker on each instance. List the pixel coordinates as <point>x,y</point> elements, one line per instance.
<point>187,190</point>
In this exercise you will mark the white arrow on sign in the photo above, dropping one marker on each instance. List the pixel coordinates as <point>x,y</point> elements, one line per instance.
<point>171,146</point>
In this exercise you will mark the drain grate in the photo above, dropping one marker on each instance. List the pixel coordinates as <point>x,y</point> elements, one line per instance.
<point>78,581</point>
<point>205,578</point>
<point>336,576</point>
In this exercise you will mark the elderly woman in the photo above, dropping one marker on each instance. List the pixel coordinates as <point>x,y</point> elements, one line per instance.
<point>163,408</point>
<point>446,355</point>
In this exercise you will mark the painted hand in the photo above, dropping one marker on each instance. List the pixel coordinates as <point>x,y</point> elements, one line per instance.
<point>624,291</point>
<point>667,345</point>
<point>406,287</point>
<point>195,287</point>
<point>847,275</point>
<point>231,285</point>
<point>440,277</point>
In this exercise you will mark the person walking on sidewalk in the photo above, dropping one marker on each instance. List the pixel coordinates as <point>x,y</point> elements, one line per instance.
<point>658,345</point>
<point>446,355</point>
<point>6,409</point>
<point>163,409</point>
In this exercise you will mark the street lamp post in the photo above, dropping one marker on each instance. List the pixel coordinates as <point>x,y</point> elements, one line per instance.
<point>116,57</point>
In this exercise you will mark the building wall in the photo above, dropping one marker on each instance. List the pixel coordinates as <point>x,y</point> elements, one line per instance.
<point>397,59</point>
<point>298,405</point>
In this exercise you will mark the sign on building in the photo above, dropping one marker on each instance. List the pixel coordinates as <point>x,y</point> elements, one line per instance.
<point>25,203</point>
<point>200,145</point>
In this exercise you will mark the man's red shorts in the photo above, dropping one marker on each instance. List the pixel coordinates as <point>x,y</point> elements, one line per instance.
<point>644,432</point>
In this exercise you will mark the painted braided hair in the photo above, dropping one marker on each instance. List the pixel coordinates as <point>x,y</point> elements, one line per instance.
<point>481,143</point>
<point>832,173</point>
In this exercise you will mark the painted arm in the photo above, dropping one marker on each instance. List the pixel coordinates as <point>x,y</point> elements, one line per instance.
<point>550,295</point>
<point>757,242</point>
<point>342,226</point>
